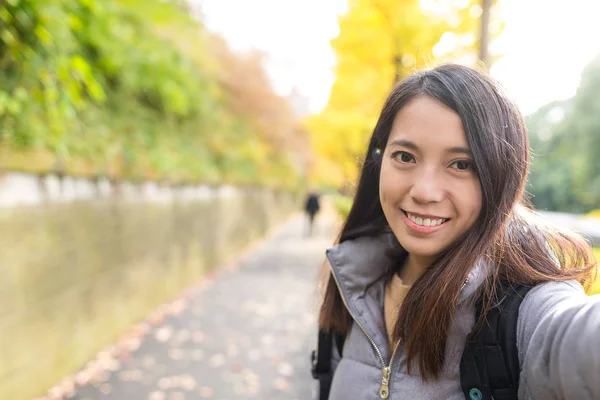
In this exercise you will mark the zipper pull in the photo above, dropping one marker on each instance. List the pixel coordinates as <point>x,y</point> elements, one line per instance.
<point>384,390</point>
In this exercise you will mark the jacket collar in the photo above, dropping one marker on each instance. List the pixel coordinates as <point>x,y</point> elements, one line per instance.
<point>360,263</point>
<point>358,267</point>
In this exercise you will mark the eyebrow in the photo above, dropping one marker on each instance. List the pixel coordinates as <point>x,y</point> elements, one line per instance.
<point>411,145</point>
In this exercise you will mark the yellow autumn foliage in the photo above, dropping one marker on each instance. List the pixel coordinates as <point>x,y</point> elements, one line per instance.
<point>381,41</point>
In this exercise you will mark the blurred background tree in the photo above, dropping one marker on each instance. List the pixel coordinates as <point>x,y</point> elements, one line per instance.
<point>565,140</point>
<point>380,42</point>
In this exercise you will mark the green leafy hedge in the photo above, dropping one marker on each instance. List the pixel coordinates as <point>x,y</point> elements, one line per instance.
<point>104,88</point>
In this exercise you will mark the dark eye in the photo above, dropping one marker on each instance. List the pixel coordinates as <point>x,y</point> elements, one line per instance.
<point>404,157</point>
<point>463,165</point>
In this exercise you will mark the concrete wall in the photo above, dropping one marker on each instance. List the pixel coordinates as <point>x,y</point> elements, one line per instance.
<point>81,261</point>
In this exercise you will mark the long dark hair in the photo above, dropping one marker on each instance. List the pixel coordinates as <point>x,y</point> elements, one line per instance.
<point>520,248</point>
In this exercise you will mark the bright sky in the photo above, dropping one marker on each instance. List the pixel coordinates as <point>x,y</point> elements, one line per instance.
<point>546,44</point>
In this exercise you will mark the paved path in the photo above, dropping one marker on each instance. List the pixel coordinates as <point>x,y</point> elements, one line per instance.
<point>246,333</point>
<point>589,227</point>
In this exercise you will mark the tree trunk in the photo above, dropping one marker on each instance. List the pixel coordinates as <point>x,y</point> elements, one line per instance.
<point>486,5</point>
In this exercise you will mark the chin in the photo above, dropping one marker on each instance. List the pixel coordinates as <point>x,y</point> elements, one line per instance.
<point>420,249</point>
<point>422,253</point>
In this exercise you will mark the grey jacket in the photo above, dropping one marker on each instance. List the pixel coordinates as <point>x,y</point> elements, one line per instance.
<point>558,336</point>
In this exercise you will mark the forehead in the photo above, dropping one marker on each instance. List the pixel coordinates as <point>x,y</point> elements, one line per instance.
<point>427,121</point>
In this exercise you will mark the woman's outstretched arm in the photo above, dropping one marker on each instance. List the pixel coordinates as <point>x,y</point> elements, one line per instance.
<point>558,336</point>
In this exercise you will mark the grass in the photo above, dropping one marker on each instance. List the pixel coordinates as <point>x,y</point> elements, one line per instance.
<point>342,205</point>
<point>595,289</point>
<point>594,213</point>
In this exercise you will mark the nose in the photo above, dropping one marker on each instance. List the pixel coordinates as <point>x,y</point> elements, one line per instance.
<point>428,187</point>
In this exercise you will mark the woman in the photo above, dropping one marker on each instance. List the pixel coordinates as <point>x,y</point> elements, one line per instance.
<point>437,225</point>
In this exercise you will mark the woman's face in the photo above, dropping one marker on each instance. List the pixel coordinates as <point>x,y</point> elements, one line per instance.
<point>429,192</point>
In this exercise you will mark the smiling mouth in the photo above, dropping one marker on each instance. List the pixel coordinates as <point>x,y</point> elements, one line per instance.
<point>425,220</point>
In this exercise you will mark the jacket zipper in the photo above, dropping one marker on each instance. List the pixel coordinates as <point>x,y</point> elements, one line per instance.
<point>384,390</point>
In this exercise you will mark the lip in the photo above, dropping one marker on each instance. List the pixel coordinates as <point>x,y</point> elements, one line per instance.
<point>425,230</point>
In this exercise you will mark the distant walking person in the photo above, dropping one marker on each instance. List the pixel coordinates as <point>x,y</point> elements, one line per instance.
<point>311,208</point>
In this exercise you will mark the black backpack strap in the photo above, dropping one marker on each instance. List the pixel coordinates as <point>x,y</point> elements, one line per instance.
<point>339,343</point>
<point>321,361</point>
<point>489,368</point>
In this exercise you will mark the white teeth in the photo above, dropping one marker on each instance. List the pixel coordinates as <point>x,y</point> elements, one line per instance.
<point>426,221</point>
